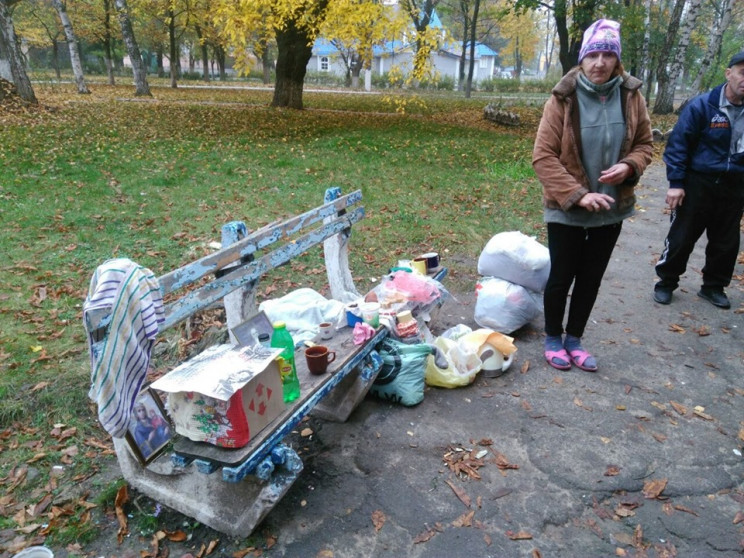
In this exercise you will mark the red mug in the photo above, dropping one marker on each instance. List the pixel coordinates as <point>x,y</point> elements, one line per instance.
<point>318,358</point>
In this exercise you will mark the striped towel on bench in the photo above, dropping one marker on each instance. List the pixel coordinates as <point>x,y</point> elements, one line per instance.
<point>119,364</point>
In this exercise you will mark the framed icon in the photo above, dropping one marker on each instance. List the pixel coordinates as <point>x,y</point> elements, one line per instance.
<point>149,430</point>
<point>249,331</point>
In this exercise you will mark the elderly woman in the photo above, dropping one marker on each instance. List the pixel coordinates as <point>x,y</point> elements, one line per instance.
<point>593,143</point>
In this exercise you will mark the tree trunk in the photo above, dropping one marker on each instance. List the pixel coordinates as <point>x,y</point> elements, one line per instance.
<point>464,51</point>
<point>219,54</point>
<point>645,70</point>
<point>11,53</point>
<point>471,67</point>
<point>720,25</point>
<point>107,40</point>
<point>266,63</point>
<point>649,82</point>
<point>518,61</point>
<point>77,67</point>
<point>173,49</point>
<point>356,69</point>
<point>295,50</point>
<point>420,17</point>
<point>662,72</point>
<point>570,43</point>
<point>204,53</point>
<point>665,99</point>
<point>561,27</point>
<point>549,42</point>
<point>159,61</point>
<point>138,67</point>
<point>55,59</point>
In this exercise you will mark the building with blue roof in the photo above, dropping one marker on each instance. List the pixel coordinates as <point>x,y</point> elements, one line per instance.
<point>326,58</point>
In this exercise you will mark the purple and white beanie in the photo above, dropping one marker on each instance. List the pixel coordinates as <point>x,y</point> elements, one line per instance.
<point>602,36</point>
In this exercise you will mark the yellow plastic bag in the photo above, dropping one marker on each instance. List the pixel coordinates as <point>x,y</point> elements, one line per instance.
<point>462,365</point>
<point>467,356</point>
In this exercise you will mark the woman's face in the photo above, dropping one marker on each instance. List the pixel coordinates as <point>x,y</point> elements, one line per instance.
<point>599,66</point>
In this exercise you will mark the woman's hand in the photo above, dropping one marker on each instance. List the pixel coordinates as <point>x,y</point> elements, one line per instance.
<point>616,174</point>
<point>596,202</point>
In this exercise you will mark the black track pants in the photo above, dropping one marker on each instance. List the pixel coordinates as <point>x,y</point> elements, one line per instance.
<point>711,205</point>
<point>580,256</point>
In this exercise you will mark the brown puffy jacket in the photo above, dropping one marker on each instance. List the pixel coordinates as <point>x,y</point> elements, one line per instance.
<point>556,156</point>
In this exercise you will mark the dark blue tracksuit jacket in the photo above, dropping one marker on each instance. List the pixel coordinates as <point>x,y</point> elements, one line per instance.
<point>701,141</point>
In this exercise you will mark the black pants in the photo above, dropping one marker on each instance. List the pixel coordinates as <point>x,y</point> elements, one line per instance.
<point>714,205</point>
<point>580,256</point>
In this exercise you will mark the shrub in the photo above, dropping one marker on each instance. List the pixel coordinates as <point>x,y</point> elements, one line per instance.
<point>324,78</point>
<point>487,85</point>
<point>446,83</point>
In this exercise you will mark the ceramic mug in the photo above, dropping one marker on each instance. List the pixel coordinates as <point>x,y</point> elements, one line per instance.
<point>318,358</point>
<point>326,330</point>
<point>432,260</point>
<point>419,264</point>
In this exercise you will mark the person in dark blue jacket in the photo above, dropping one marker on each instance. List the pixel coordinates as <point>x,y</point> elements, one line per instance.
<point>705,168</point>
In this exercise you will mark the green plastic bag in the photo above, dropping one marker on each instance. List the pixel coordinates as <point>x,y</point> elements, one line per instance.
<point>401,378</point>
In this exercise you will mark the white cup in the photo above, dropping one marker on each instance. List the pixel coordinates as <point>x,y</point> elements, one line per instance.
<point>326,330</point>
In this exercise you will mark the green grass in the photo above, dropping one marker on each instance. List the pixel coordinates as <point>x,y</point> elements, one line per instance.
<point>106,175</point>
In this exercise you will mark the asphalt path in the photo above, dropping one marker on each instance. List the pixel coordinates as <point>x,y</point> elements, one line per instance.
<point>643,458</point>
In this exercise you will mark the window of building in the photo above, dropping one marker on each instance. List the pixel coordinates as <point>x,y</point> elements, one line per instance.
<point>323,63</point>
<point>483,63</point>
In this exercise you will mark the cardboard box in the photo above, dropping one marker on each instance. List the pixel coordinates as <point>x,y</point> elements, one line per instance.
<point>225,395</point>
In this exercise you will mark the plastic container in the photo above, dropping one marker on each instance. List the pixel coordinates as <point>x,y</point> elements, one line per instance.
<point>371,313</point>
<point>282,339</point>
<point>353,315</point>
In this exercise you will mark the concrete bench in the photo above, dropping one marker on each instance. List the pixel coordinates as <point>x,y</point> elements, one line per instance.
<point>232,490</point>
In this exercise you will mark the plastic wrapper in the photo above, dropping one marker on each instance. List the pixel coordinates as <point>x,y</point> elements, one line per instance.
<point>401,290</point>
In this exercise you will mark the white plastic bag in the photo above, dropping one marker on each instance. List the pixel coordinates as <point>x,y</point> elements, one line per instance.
<point>504,306</point>
<point>517,258</point>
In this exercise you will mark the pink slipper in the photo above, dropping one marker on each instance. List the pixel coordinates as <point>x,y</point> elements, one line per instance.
<point>583,360</point>
<point>560,355</point>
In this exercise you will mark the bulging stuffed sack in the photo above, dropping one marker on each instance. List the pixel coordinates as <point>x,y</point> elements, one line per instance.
<point>517,258</point>
<point>504,306</point>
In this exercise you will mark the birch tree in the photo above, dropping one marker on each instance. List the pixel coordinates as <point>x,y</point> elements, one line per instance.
<point>11,58</point>
<point>77,67</point>
<point>645,72</point>
<point>721,22</point>
<point>668,73</point>
<point>142,88</point>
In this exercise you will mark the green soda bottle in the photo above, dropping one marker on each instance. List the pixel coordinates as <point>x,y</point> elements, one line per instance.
<point>281,339</point>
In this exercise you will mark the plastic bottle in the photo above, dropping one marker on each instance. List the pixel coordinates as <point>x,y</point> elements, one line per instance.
<point>281,339</point>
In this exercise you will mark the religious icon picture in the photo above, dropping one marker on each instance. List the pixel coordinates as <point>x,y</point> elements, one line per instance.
<point>149,429</point>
